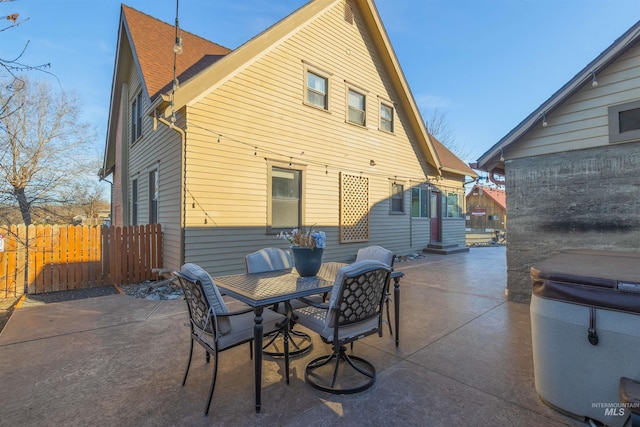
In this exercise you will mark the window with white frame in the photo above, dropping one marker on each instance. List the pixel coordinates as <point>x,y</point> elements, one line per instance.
<point>386,117</point>
<point>419,202</point>
<point>153,196</point>
<point>317,90</point>
<point>397,198</point>
<point>285,203</point>
<point>357,107</point>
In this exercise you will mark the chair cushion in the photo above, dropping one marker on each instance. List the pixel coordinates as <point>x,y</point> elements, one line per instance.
<point>268,259</point>
<point>314,318</point>
<point>377,253</point>
<point>211,292</point>
<point>242,327</point>
<point>322,320</point>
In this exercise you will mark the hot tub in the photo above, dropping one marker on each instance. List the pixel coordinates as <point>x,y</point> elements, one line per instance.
<point>585,325</point>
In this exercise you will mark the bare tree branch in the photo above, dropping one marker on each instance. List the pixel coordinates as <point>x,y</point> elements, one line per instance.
<point>438,126</point>
<point>44,148</point>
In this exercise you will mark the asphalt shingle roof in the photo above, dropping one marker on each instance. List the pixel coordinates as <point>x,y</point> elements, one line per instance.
<point>153,41</point>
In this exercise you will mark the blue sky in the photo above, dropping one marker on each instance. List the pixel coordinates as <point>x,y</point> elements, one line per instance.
<point>485,64</point>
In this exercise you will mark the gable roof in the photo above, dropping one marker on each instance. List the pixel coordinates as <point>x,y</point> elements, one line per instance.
<point>152,42</point>
<point>496,194</point>
<point>204,66</point>
<point>449,161</point>
<point>189,92</point>
<point>491,158</point>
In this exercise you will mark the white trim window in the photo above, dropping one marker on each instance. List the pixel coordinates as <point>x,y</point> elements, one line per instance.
<point>317,93</point>
<point>286,198</point>
<point>357,107</point>
<point>386,117</point>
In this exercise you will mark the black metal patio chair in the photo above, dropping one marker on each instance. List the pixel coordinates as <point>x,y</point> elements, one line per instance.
<point>353,312</point>
<point>212,326</point>
<point>381,254</point>
<point>272,259</point>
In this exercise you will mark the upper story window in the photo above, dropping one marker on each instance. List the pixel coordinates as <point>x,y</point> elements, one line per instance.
<point>386,117</point>
<point>357,103</point>
<point>397,198</point>
<point>136,118</point>
<point>624,122</point>
<point>317,90</point>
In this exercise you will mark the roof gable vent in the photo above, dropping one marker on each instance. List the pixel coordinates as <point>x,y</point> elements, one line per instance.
<point>348,12</point>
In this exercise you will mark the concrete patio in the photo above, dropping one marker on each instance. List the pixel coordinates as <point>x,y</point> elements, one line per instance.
<point>464,359</point>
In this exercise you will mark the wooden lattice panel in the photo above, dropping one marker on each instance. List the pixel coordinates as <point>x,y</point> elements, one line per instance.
<point>354,208</point>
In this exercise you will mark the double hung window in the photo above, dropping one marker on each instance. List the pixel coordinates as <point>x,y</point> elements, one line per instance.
<point>357,107</point>
<point>286,198</point>
<point>397,198</point>
<point>386,118</point>
<point>317,94</point>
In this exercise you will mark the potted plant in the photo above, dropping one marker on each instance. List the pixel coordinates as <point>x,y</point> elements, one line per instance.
<point>307,248</point>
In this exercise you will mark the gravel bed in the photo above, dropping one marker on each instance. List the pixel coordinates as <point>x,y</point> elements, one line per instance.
<point>162,290</point>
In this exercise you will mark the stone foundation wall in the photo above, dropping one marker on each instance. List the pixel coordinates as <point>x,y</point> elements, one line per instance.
<point>587,199</point>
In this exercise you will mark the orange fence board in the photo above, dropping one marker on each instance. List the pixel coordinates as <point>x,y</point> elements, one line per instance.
<point>55,258</point>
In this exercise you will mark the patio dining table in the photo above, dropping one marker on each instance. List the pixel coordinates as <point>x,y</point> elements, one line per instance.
<point>260,290</point>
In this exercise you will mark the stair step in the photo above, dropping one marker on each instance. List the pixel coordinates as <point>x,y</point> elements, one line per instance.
<point>444,248</point>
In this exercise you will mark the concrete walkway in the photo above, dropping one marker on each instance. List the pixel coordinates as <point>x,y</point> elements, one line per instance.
<point>464,359</point>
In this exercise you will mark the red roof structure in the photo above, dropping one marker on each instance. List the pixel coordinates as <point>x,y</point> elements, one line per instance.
<point>153,41</point>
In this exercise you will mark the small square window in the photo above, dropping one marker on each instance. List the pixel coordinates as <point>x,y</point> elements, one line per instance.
<point>357,103</point>
<point>629,120</point>
<point>624,122</point>
<point>317,90</point>
<point>386,118</point>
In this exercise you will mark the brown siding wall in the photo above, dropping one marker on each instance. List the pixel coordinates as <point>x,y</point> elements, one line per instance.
<point>482,201</point>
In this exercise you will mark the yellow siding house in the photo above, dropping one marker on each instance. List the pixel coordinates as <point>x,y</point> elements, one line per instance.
<point>310,123</point>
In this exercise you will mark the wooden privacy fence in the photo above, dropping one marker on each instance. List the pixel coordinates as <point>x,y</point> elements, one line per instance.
<point>46,258</point>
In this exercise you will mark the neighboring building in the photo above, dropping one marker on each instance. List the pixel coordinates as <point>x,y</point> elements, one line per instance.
<point>310,123</point>
<point>486,209</point>
<point>572,167</point>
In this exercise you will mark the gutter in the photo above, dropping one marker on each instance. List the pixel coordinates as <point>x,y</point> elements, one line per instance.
<point>183,148</point>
